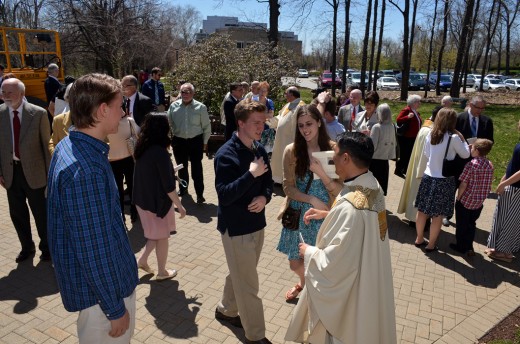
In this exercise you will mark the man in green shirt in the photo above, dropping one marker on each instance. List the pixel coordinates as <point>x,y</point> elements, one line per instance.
<point>191,128</point>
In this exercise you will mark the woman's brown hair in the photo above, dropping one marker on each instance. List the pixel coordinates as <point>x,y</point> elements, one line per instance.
<point>445,122</point>
<point>300,145</point>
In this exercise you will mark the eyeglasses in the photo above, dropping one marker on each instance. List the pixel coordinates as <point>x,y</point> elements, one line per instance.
<point>186,92</point>
<point>478,107</point>
<point>125,86</point>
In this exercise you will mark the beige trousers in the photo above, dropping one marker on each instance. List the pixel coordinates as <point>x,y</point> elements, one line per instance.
<point>240,296</point>
<point>93,325</point>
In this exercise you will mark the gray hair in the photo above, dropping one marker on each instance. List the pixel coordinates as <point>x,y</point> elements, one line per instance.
<point>446,99</point>
<point>67,90</point>
<point>412,99</point>
<point>187,84</point>
<point>132,79</point>
<point>477,99</point>
<point>384,114</point>
<point>18,82</point>
<point>53,67</point>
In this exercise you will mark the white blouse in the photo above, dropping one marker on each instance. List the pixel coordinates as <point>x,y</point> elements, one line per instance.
<point>435,153</point>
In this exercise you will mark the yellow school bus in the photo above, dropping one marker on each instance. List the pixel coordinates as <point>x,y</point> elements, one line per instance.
<point>26,53</point>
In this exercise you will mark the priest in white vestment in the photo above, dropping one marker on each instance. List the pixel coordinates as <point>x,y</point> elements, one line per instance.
<point>285,125</point>
<point>348,296</point>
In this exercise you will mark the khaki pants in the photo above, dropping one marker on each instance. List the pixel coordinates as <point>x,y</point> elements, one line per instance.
<point>93,325</point>
<point>240,296</point>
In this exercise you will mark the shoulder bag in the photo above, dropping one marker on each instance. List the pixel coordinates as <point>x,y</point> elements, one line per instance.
<point>449,167</point>
<point>132,140</point>
<point>291,216</point>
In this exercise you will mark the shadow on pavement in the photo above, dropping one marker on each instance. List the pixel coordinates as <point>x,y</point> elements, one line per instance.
<point>174,313</point>
<point>27,283</point>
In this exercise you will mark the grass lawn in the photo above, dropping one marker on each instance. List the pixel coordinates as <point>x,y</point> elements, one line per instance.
<point>505,122</point>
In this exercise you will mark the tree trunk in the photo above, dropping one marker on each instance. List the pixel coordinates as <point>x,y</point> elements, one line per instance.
<point>430,51</point>
<point>441,50</point>
<point>471,32</point>
<point>490,33</point>
<point>365,49</point>
<point>335,6</point>
<point>372,49</point>
<point>346,46</point>
<point>380,41</point>
<point>274,13</point>
<point>468,14</point>
<point>406,48</point>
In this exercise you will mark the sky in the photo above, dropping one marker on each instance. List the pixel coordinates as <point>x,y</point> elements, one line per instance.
<point>315,27</point>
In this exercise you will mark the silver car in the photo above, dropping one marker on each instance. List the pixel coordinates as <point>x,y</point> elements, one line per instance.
<point>512,84</point>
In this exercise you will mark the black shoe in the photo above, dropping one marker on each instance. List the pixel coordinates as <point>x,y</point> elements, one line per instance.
<point>45,257</point>
<point>411,224</point>
<point>261,341</point>
<point>182,192</point>
<point>23,255</point>
<point>235,321</point>
<point>200,200</point>
<point>399,174</point>
<point>446,222</point>
<point>456,248</point>
<point>133,215</point>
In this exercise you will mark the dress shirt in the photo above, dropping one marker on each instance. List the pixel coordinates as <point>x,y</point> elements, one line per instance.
<point>334,129</point>
<point>478,174</point>
<point>132,103</point>
<point>471,117</point>
<point>188,121</point>
<point>92,256</point>
<point>11,116</point>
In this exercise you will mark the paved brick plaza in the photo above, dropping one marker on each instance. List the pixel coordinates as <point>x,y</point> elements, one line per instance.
<point>440,298</point>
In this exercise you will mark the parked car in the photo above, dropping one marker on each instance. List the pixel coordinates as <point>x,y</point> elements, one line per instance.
<point>302,73</point>
<point>388,83</point>
<point>491,84</point>
<point>444,81</point>
<point>512,84</point>
<point>325,80</point>
<point>415,81</point>
<point>355,79</point>
<point>470,81</point>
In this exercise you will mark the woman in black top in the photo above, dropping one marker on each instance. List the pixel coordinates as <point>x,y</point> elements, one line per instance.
<point>154,192</point>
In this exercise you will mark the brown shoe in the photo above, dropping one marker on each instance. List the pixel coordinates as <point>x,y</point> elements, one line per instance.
<point>235,321</point>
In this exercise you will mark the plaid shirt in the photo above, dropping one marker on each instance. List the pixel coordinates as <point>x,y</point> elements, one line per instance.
<point>92,256</point>
<point>478,174</point>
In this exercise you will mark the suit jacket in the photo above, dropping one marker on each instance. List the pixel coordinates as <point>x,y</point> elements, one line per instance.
<point>229,112</point>
<point>34,149</point>
<point>60,129</point>
<point>484,130</point>
<point>148,89</point>
<point>142,106</point>
<point>344,115</point>
<point>52,86</point>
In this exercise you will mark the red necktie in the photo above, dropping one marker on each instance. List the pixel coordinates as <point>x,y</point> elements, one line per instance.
<point>353,117</point>
<point>16,133</point>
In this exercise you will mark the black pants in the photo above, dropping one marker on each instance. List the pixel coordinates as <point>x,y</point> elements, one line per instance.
<point>466,226</point>
<point>379,169</point>
<point>123,170</point>
<point>191,150</point>
<point>17,196</point>
<point>405,149</point>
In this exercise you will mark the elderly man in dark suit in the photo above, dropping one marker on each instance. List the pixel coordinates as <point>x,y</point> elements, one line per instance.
<point>136,103</point>
<point>236,92</point>
<point>52,84</point>
<point>24,162</point>
<point>472,123</point>
<point>347,113</point>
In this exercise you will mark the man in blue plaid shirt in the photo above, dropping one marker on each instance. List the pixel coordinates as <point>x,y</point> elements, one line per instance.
<point>94,263</point>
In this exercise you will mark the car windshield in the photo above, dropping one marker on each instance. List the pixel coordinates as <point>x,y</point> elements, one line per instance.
<point>327,75</point>
<point>356,75</point>
<point>415,77</point>
<point>494,81</point>
<point>302,70</point>
<point>445,78</point>
<point>389,80</point>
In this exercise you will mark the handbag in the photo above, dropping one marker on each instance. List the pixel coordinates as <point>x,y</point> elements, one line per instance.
<point>132,140</point>
<point>402,129</point>
<point>449,167</point>
<point>291,216</point>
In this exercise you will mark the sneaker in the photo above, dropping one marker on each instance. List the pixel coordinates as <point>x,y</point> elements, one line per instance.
<point>235,321</point>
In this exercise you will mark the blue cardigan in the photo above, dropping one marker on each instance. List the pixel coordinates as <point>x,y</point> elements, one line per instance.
<point>236,187</point>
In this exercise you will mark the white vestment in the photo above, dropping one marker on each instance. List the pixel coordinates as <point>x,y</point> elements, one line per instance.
<point>285,125</point>
<point>348,290</point>
<point>414,174</point>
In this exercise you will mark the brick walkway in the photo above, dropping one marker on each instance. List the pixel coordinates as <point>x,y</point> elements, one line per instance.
<point>440,298</point>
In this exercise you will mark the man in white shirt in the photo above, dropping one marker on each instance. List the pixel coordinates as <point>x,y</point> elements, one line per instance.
<point>135,104</point>
<point>347,113</point>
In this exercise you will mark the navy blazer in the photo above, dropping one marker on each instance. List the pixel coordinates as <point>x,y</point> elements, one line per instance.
<point>148,89</point>
<point>484,130</point>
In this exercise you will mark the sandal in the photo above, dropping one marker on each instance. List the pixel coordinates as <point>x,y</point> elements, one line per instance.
<point>171,274</point>
<point>430,250</point>
<point>146,268</point>
<point>293,293</point>
<point>424,243</point>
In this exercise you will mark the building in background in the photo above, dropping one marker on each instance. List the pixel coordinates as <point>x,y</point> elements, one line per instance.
<point>246,33</point>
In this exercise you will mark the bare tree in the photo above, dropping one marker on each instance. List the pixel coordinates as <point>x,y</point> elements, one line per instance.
<point>491,27</point>
<point>511,9</point>
<point>443,43</point>
<point>405,12</point>
<point>468,14</point>
<point>380,41</point>
<point>430,50</point>
<point>373,48</point>
<point>365,48</point>
<point>346,46</point>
